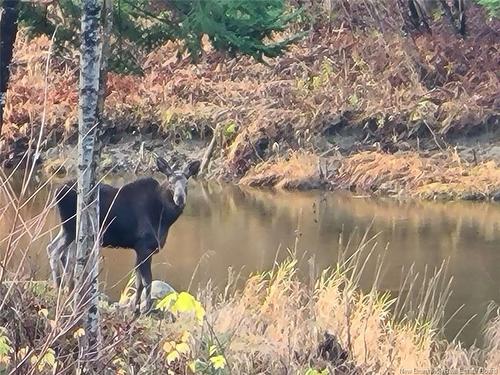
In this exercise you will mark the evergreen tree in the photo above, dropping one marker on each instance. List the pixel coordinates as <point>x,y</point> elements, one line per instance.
<point>234,26</point>
<point>493,6</point>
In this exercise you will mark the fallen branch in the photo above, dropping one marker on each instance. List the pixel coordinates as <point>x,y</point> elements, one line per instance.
<point>451,19</point>
<point>209,151</point>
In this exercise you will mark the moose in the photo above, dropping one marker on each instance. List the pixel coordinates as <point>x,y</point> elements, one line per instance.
<point>136,216</point>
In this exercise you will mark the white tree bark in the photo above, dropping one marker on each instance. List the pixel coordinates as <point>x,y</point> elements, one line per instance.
<point>87,254</point>
<point>107,22</point>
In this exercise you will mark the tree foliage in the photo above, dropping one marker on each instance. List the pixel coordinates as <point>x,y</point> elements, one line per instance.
<point>235,26</point>
<point>493,6</point>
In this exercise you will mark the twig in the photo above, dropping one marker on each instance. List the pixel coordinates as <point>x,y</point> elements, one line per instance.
<point>221,348</point>
<point>449,15</point>
<point>323,154</point>
<point>44,113</point>
<point>209,151</point>
<point>433,135</point>
<point>474,154</point>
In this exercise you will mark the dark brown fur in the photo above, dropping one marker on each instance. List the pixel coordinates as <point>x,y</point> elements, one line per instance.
<point>138,216</point>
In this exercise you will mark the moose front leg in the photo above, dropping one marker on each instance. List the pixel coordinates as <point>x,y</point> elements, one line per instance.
<point>143,280</point>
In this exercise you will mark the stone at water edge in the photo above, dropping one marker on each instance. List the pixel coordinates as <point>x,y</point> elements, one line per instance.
<point>495,197</point>
<point>159,289</point>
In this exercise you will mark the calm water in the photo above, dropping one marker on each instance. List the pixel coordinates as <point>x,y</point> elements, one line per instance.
<point>225,226</point>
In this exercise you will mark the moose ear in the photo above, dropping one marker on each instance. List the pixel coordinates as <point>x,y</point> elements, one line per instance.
<point>192,168</point>
<point>163,166</point>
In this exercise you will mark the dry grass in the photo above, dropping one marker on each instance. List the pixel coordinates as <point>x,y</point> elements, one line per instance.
<point>493,336</point>
<point>299,171</point>
<point>276,324</point>
<point>440,175</point>
<point>279,324</point>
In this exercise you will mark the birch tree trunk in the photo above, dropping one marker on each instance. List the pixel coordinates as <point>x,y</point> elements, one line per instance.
<point>87,253</point>
<point>107,26</point>
<point>8,32</point>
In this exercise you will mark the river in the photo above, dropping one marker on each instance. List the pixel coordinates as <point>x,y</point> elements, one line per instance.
<point>227,226</point>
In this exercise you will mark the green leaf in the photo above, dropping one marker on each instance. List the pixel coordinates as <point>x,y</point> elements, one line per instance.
<point>185,302</point>
<point>183,348</point>
<point>353,100</point>
<point>234,26</point>
<point>493,6</point>
<point>185,336</point>
<point>167,302</point>
<point>199,311</point>
<point>5,347</point>
<point>218,362</point>
<point>168,346</point>
<point>173,356</point>
<point>230,129</point>
<point>48,359</point>
<point>197,366</point>
<point>79,333</point>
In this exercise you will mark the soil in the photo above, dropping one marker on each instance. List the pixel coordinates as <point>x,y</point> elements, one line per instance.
<point>130,154</point>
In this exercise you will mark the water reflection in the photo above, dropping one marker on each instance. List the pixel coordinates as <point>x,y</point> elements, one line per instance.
<point>225,226</point>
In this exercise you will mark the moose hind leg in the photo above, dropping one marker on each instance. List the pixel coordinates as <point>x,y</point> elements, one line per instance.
<point>138,285</point>
<point>146,278</point>
<point>68,259</point>
<point>56,250</point>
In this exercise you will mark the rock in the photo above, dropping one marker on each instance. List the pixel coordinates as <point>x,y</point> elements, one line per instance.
<point>330,350</point>
<point>472,196</point>
<point>495,197</point>
<point>159,289</point>
<point>301,184</point>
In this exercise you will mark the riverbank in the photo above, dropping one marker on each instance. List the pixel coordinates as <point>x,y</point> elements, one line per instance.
<point>275,324</point>
<point>345,108</point>
<point>461,172</point>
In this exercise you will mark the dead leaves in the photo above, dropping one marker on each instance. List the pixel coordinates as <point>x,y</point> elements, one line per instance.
<point>449,84</point>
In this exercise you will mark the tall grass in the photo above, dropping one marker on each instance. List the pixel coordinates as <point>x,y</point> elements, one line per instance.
<point>279,322</point>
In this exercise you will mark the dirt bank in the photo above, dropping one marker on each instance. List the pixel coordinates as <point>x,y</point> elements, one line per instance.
<point>131,154</point>
<point>465,169</point>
